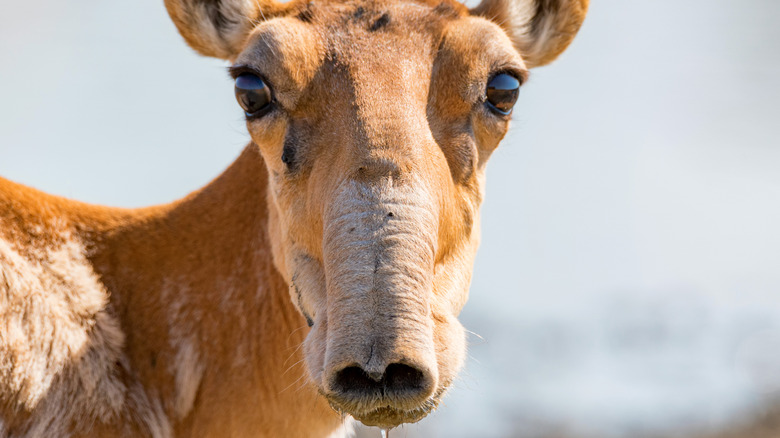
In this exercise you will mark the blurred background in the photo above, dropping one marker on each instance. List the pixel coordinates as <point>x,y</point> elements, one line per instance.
<point>628,283</point>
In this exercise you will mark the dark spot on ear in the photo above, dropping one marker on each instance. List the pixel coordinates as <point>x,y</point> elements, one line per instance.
<point>153,360</point>
<point>446,9</point>
<point>359,12</point>
<point>306,14</point>
<point>380,22</point>
<point>390,214</point>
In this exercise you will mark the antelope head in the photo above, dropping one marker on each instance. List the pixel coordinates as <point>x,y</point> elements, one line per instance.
<point>376,119</point>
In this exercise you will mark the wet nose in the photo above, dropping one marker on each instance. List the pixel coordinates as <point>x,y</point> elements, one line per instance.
<point>399,383</point>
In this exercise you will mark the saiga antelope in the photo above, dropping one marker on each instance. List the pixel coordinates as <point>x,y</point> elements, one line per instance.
<point>353,211</point>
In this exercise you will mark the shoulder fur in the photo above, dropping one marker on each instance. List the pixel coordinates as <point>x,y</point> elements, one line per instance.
<point>61,361</point>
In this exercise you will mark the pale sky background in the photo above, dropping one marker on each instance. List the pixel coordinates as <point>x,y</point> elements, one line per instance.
<point>629,275</point>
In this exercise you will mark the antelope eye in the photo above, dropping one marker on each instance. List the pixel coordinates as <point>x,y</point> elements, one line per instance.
<point>252,94</point>
<point>502,92</point>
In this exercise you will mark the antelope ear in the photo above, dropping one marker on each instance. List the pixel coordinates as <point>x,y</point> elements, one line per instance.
<point>539,29</point>
<point>218,28</point>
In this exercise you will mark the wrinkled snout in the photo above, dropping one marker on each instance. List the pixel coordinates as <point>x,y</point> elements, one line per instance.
<point>380,361</point>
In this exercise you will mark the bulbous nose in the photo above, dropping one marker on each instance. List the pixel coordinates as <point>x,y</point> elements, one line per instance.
<point>399,383</point>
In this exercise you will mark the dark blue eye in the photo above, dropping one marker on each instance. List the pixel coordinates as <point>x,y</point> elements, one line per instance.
<point>502,92</point>
<point>252,94</point>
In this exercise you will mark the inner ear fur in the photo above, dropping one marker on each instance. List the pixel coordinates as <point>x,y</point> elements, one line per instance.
<point>218,28</point>
<point>540,29</point>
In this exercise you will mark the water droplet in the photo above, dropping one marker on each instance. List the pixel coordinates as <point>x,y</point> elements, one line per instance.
<point>385,433</point>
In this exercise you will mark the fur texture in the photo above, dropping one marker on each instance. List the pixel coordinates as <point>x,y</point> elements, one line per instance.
<point>336,249</point>
<point>60,347</point>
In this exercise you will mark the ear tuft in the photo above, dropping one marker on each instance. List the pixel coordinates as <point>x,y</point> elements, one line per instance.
<point>540,29</point>
<point>218,28</point>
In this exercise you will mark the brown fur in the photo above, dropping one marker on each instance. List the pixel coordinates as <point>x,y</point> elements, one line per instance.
<point>205,315</point>
<point>189,319</point>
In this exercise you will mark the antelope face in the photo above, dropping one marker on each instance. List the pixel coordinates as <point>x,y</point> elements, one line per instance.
<point>376,120</point>
<point>376,129</point>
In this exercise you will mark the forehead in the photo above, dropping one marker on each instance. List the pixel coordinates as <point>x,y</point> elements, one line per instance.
<point>359,19</point>
<point>359,30</point>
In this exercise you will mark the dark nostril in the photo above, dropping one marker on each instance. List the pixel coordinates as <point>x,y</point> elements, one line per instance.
<point>355,380</point>
<point>398,380</point>
<point>402,377</point>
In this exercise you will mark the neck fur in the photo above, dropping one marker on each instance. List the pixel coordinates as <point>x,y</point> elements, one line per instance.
<point>208,318</point>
